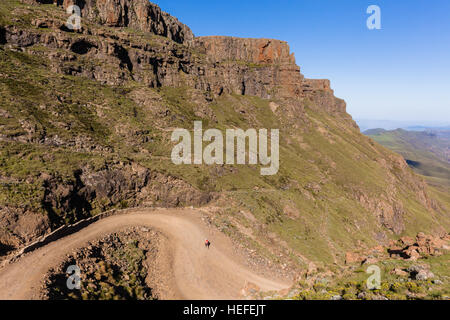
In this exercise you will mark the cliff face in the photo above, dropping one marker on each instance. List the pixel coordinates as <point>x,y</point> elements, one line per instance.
<point>257,67</point>
<point>139,14</point>
<point>265,68</point>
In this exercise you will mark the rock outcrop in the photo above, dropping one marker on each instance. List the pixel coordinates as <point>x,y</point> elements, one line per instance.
<point>129,185</point>
<point>259,67</point>
<point>19,226</point>
<point>139,14</point>
<point>263,65</point>
<point>91,192</point>
<point>423,245</point>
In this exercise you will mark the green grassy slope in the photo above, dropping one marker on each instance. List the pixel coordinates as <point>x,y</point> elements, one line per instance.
<point>425,152</point>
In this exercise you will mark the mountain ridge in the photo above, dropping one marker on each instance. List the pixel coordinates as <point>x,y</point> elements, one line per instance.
<point>86,127</point>
<point>427,152</point>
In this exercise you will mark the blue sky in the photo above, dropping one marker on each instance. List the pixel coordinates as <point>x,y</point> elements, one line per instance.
<point>401,72</point>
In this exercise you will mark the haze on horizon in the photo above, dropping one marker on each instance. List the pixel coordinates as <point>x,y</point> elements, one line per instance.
<point>398,73</point>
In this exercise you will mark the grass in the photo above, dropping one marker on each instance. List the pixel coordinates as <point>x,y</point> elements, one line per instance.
<point>423,150</point>
<point>353,285</point>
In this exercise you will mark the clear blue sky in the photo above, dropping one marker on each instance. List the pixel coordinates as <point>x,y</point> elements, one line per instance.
<point>401,72</point>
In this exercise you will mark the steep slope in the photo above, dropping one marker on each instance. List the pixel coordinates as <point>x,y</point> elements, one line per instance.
<point>427,152</point>
<point>87,118</point>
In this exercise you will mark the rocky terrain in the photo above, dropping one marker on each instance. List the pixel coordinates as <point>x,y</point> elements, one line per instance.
<point>113,268</point>
<point>86,119</point>
<point>410,269</point>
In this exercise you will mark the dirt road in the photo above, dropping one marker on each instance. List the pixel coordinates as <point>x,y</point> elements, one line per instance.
<point>196,272</point>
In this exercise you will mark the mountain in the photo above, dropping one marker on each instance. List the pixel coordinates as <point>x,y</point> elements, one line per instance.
<point>427,152</point>
<point>367,124</point>
<point>87,119</point>
<point>424,128</point>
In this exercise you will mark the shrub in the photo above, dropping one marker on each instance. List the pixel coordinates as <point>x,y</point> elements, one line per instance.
<point>349,296</point>
<point>397,287</point>
<point>413,287</point>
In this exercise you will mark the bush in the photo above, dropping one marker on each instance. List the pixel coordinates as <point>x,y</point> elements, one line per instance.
<point>349,296</point>
<point>395,296</point>
<point>397,287</point>
<point>413,287</point>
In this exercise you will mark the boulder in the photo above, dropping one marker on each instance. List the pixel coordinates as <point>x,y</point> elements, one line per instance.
<point>412,253</point>
<point>424,275</point>
<point>351,257</point>
<point>370,260</point>
<point>407,241</point>
<point>399,272</point>
<point>420,272</point>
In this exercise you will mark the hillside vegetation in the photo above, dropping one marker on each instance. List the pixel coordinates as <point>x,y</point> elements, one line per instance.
<point>426,152</point>
<point>87,118</point>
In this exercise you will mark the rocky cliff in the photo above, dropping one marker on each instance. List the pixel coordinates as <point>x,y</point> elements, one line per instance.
<point>139,14</point>
<point>258,67</point>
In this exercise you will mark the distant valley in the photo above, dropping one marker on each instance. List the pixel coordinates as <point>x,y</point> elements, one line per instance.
<point>427,152</point>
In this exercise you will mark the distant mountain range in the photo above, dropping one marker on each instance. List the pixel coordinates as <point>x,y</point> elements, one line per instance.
<point>427,152</point>
<point>366,124</point>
